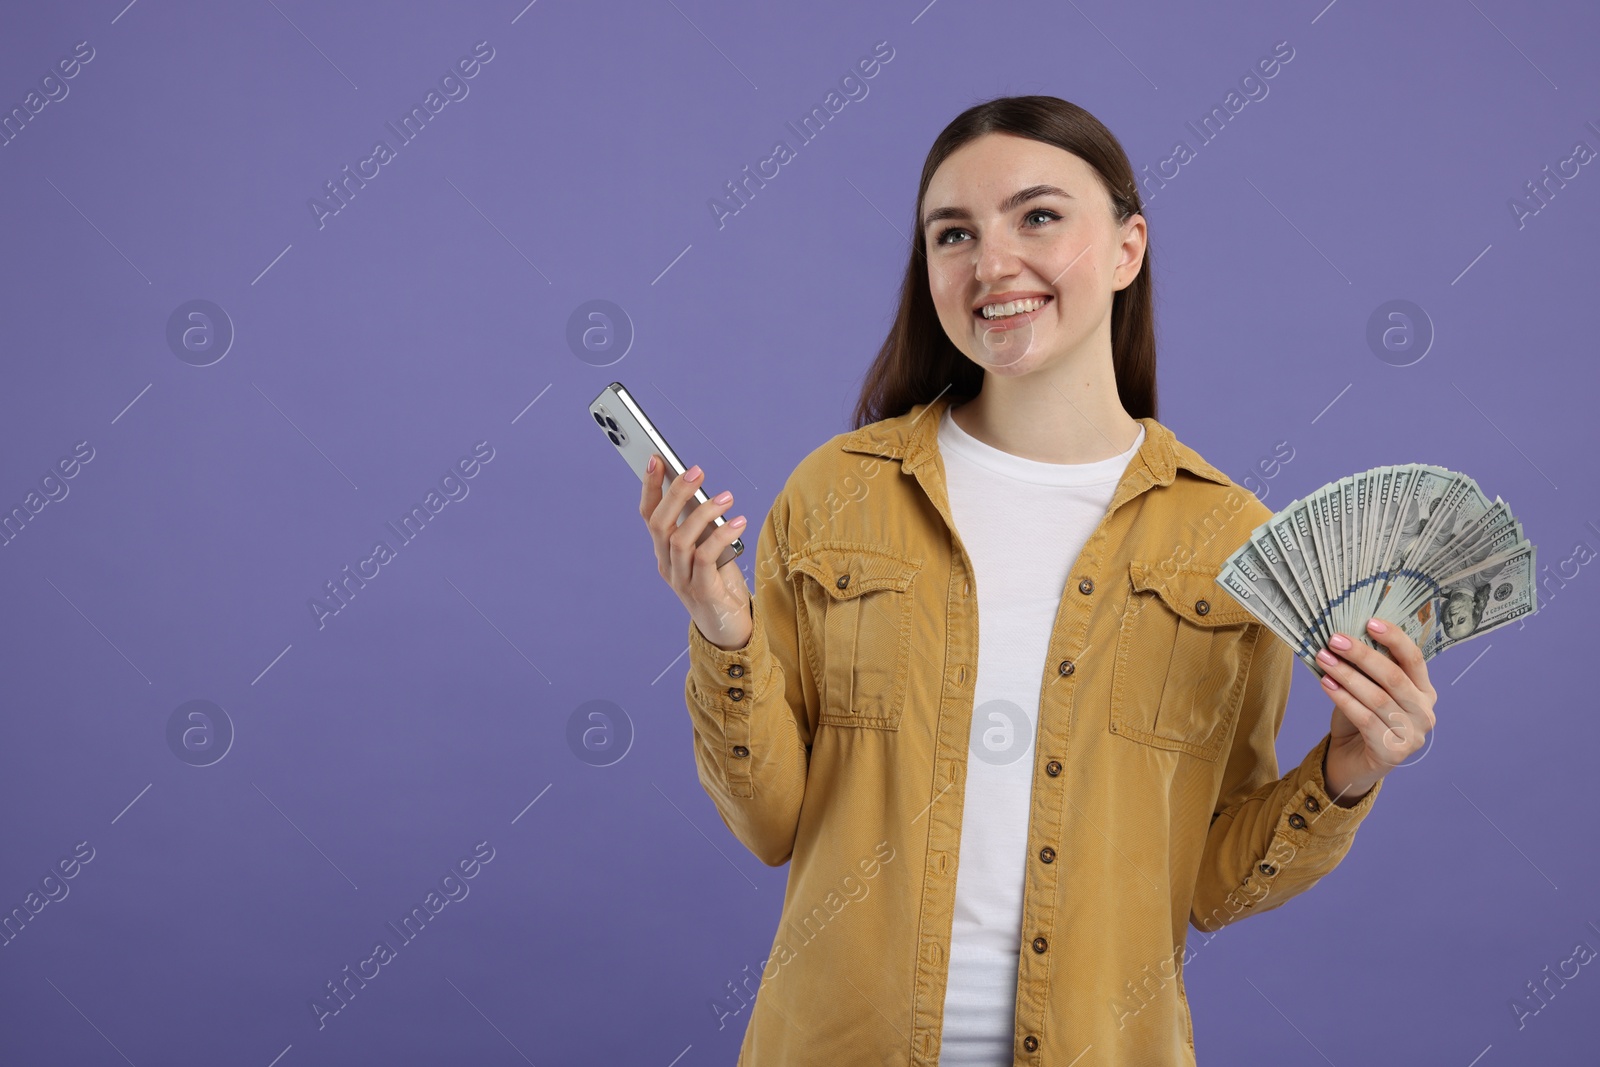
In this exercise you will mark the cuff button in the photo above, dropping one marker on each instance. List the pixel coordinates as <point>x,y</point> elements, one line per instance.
<point>1311,804</point>
<point>1267,868</point>
<point>1297,821</point>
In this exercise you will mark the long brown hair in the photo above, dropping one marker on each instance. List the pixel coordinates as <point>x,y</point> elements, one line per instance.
<point>918,361</point>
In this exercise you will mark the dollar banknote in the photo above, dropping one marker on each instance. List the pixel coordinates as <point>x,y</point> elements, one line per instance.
<point>1415,545</point>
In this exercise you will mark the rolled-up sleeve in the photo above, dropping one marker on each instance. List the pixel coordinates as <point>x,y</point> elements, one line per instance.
<point>1271,837</point>
<point>752,732</point>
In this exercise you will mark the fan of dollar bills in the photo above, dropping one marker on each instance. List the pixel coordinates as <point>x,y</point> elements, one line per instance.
<point>1414,545</point>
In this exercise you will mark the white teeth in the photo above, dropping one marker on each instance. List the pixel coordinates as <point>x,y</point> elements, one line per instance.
<point>1015,307</point>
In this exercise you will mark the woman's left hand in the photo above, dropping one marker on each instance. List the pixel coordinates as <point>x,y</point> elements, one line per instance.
<point>1383,708</point>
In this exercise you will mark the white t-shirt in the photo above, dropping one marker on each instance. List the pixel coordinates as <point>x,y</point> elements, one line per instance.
<point>1023,524</point>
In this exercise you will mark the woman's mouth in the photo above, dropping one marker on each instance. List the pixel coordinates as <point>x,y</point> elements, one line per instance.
<point>1013,313</point>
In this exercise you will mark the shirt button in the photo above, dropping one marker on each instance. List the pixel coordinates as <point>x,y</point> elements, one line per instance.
<point>1297,821</point>
<point>1040,944</point>
<point>1086,586</point>
<point>735,693</point>
<point>1067,667</point>
<point>1030,1043</point>
<point>844,580</point>
<point>740,751</point>
<point>1053,768</point>
<point>1047,854</point>
<point>736,671</point>
<point>1201,607</point>
<point>1311,804</point>
<point>1267,868</point>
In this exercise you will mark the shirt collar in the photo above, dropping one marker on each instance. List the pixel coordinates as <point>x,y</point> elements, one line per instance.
<point>912,438</point>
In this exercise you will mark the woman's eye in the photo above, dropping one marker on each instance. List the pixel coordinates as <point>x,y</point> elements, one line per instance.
<point>1049,216</point>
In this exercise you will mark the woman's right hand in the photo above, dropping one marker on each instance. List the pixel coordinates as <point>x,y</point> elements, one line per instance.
<point>717,598</point>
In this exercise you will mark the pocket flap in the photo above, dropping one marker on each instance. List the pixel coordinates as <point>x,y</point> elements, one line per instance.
<point>1190,590</point>
<point>862,567</point>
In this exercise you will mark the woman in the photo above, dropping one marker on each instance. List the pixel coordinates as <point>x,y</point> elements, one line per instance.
<point>999,834</point>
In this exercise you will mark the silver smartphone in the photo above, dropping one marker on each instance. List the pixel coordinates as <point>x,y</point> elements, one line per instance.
<point>617,413</point>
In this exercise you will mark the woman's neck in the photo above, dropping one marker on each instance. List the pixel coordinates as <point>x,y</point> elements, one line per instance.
<point>1047,421</point>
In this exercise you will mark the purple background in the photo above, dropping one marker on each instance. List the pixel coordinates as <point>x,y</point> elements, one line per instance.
<point>432,312</point>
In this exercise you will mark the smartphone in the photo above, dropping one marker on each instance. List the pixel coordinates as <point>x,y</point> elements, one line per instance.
<point>617,413</point>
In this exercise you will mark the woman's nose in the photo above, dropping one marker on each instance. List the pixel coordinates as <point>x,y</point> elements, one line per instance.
<point>997,258</point>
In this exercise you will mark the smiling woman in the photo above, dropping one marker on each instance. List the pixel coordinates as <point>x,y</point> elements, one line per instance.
<point>1036,268</point>
<point>1070,785</point>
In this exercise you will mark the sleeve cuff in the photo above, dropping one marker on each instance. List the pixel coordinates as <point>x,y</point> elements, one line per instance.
<point>1311,813</point>
<point>727,679</point>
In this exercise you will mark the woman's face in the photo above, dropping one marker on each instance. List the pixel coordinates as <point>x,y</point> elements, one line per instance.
<point>986,243</point>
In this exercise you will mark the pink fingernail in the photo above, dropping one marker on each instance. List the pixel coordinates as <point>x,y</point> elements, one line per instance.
<point>1339,641</point>
<point>1375,626</point>
<point>650,468</point>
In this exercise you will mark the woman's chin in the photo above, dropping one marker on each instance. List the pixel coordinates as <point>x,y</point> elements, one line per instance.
<point>1015,356</point>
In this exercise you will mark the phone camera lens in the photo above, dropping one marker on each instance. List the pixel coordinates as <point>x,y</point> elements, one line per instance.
<point>598,419</point>
<point>612,423</point>
<point>614,438</point>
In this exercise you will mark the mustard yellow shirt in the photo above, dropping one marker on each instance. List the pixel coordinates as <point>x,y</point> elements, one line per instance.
<point>836,741</point>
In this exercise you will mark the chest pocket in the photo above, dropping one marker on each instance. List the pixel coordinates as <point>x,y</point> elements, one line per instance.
<point>1182,659</point>
<point>856,600</point>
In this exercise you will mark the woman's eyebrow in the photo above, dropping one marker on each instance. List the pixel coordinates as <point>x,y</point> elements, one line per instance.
<point>1015,200</point>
